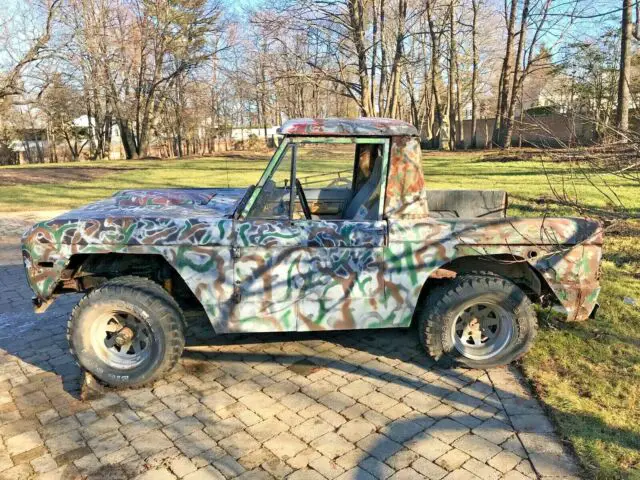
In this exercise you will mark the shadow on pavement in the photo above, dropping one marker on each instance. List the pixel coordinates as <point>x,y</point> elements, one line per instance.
<point>436,409</point>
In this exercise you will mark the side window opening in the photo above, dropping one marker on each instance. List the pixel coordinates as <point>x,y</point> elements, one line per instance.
<point>367,184</point>
<point>325,172</point>
<point>326,165</point>
<point>340,181</point>
<point>366,155</point>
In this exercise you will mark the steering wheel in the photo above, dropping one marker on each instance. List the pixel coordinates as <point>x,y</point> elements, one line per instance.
<point>303,200</point>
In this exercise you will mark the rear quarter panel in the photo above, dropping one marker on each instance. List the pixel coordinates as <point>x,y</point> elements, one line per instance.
<point>566,253</point>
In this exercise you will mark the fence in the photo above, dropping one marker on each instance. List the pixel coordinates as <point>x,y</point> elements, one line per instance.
<point>553,130</point>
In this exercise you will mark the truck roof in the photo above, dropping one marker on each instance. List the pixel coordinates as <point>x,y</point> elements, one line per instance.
<point>347,127</point>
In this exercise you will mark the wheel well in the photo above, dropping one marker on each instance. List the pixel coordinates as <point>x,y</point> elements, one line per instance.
<point>508,266</point>
<point>88,271</point>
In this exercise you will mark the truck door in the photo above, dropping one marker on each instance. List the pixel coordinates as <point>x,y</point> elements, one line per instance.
<point>342,275</point>
<point>267,254</point>
<point>297,273</point>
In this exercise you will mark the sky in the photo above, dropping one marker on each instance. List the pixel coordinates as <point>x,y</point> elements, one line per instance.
<point>16,19</point>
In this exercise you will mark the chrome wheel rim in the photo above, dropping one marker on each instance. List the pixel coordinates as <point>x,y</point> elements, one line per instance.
<point>121,340</point>
<point>481,331</point>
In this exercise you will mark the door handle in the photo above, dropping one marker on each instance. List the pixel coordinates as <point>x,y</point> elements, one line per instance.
<point>378,233</point>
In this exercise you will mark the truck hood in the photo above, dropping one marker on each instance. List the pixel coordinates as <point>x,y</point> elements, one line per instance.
<point>142,217</point>
<point>165,203</point>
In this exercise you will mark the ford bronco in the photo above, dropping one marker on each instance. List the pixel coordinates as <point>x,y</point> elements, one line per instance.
<point>366,247</point>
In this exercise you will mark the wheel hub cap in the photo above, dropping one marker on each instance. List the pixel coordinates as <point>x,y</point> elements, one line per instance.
<point>121,340</point>
<point>481,331</point>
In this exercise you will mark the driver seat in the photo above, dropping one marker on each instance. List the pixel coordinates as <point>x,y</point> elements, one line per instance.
<point>363,205</point>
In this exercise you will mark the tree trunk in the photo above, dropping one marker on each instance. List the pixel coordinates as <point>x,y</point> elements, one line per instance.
<point>459,111</point>
<point>357,23</point>
<point>508,127</point>
<point>126,135</point>
<point>374,56</point>
<point>438,116</point>
<point>106,145</point>
<point>636,30</point>
<point>474,75</point>
<point>624,95</point>
<point>383,61</point>
<point>452,76</point>
<point>504,91</point>
<point>394,84</point>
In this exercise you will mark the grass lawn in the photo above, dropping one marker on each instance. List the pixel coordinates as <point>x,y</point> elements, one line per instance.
<point>587,374</point>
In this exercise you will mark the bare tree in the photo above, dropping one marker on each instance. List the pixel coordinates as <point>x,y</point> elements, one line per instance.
<point>474,74</point>
<point>507,127</point>
<point>504,87</point>
<point>624,95</point>
<point>62,105</point>
<point>11,81</point>
<point>175,75</point>
<point>133,55</point>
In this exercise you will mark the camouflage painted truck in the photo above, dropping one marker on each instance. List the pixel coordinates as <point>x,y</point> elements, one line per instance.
<point>366,246</point>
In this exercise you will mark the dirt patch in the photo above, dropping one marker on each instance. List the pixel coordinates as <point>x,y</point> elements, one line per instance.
<point>629,228</point>
<point>304,367</point>
<point>55,175</point>
<point>507,156</point>
<point>241,155</point>
<point>14,224</point>
<point>489,155</point>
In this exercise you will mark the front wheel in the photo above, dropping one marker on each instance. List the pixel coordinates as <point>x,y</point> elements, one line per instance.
<point>127,332</point>
<point>481,320</point>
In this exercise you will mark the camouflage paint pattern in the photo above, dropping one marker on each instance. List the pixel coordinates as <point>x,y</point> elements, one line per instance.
<point>268,275</point>
<point>406,191</point>
<point>319,264</point>
<point>187,227</point>
<point>565,251</point>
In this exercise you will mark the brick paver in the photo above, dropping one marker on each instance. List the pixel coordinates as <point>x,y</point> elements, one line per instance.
<point>326,405</point>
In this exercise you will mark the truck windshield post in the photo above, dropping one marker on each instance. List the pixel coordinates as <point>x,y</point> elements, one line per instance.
<point>292,191</point>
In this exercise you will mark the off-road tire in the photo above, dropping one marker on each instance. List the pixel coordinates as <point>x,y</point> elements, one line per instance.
<point>442,306</point>
<point>145,299</point>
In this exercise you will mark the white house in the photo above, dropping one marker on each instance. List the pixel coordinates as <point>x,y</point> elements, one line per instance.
<point>117,151</point>
<point>240,133</point>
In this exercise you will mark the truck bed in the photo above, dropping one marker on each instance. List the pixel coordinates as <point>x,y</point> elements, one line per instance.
<point>467,203</point>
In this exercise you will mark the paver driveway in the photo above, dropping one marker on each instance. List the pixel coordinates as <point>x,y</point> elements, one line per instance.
<point>335,405</point>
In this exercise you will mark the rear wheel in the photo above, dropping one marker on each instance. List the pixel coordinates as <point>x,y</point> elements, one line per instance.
<point>127,332</point>
<point>480,320</point>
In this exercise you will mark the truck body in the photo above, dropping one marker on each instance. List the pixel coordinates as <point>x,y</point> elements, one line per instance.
<point>253,268</point>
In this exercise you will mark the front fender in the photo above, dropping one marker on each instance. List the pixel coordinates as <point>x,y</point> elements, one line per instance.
<point>43,261</point>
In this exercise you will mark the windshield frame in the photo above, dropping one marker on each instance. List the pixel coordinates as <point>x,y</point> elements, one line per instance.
<point>296,140</point>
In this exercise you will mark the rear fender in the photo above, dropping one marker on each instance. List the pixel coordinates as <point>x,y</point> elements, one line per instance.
<point>574,277</point>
